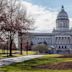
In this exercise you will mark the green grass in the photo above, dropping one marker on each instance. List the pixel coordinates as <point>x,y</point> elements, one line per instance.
<point>15,55</point>
<point>27,65</point>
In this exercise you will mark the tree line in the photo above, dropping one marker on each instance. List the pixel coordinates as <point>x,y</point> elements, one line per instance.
<point>13,19</point>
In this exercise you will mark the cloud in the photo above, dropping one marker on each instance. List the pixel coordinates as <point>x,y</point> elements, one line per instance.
<point>70,22</point>
<point>45,18</point>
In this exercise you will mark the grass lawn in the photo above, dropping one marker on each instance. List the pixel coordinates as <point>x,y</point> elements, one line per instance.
<point>27,66</point>
<point>16,53</point>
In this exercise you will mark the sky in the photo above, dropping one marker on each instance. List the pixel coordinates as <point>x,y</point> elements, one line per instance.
<point>45,12</point>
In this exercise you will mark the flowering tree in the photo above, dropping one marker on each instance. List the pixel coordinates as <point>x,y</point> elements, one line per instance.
<point>13,19</point>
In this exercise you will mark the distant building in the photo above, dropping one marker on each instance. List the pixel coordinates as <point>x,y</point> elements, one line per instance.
<point>60,40</point>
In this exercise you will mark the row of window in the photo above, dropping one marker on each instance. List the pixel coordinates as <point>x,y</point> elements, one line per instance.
<point>62,38</point>
<point>62,47</point>
<point>41,38</point>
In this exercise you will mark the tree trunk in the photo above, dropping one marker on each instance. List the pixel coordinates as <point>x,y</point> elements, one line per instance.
<point>10,54</point>
<point>21,46</point>
<point>10,48</point>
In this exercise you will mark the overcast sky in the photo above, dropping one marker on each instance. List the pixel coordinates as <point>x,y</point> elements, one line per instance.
<point>45,12</point>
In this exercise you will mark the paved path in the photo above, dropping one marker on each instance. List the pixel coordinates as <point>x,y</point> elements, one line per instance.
<point>8,61</point>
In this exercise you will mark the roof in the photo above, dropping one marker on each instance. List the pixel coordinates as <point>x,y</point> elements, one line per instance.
<point>62,14</point>
<point>41,34</point>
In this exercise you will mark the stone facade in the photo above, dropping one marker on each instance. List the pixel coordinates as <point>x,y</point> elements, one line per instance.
<point>60,40</point>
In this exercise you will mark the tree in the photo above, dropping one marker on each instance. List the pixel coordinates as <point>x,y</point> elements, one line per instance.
<point>41,48</point>
<point>45,42</point>
<point>13,19</point>
<point>21,42</point>
<point>31,44</point>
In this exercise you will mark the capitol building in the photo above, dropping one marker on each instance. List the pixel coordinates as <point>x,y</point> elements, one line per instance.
<point>61,37</point>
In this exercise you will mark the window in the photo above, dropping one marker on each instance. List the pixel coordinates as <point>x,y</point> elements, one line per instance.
<point>59,47</point>
<point>68,38</point>
<point>65,47</point>
<point>62,46</point>
<point>56,38</point>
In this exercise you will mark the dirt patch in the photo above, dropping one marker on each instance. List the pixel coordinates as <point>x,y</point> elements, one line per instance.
<point>56,66</point>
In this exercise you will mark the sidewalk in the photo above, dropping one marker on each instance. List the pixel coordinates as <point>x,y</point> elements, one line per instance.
<point>8,61</point>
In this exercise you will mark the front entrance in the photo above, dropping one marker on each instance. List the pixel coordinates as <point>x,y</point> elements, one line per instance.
<point>63,51</point>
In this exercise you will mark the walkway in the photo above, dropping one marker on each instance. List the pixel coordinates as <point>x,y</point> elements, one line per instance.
<point>8,61</point>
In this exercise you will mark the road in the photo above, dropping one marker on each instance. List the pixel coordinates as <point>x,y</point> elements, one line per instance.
<point>8,61</point>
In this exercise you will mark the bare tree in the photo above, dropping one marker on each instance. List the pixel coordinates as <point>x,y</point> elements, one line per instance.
<point>13,19</point>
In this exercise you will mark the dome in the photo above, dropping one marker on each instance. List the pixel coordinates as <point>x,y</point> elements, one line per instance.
<point>62,21</point>
<point>62,14</point>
